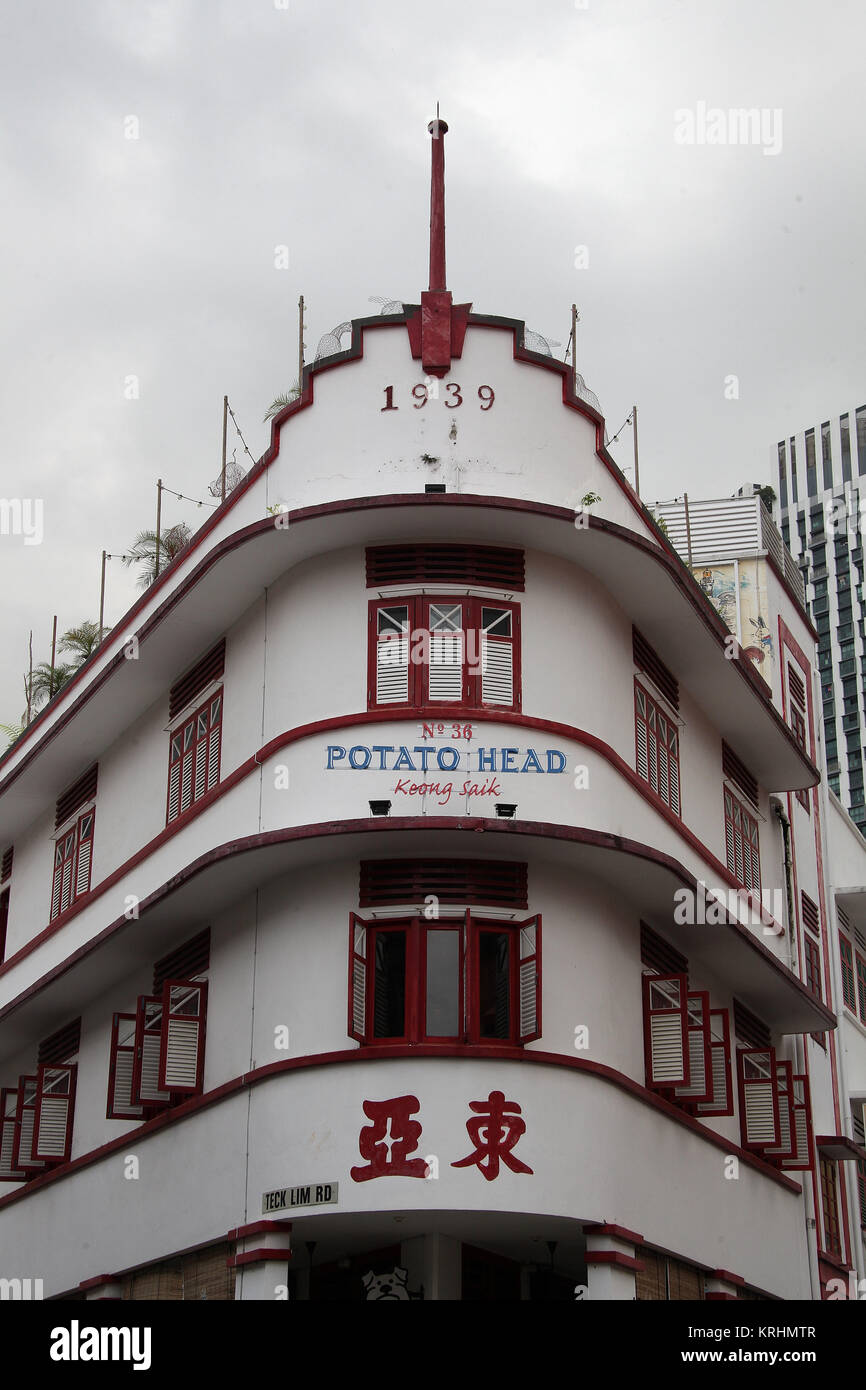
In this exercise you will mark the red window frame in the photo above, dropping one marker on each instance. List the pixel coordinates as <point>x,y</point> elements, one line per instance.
<point>182,1039</point>
<point>55,1109</point>
<point>653,764</point>
<point>700,1088</point>
<point>861,985</point>
<point>8,1131</point>
<point>812,961</point>
<point>424,638</point>
<point>830,1207</point>
<point>721,1101</point>
<point>25,1126</point>
<point>861,1187</point>
<point>757,1085</point>
<point>73,852</point>
<point>665,1020</point>
<point>4,922</point>
<point>742,843</point>
<point>194,754</point>
<point>121,1070</point>
<point>846,960</point>
<point>524,978</point>
<point>797,717</point>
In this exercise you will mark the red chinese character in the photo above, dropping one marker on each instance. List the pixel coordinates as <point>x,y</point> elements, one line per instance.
<point>387,1141</point>
<point>501,1128</point>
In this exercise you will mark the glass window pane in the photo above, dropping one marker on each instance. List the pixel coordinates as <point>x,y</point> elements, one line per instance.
<point>496,621</point>
<point>443,984</point>
<point>389,986</point>
<point>393,620</point>
<point>494,1012</point>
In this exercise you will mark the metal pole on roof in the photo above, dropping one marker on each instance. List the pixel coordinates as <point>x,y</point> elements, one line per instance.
<point>102,597</point>
<point>225,427</point>
<point>688,529</point>
<point>634,428</point>
<point>300,346</point>
<point>158,525</point>
<point>53,655</point>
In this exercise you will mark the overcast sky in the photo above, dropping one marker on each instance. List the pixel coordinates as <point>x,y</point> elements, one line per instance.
<point>303,123</point>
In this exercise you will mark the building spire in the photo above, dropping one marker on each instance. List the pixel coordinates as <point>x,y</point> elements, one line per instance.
<point>437,129</point>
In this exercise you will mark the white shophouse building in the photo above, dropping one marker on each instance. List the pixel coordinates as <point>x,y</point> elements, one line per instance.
<point>376,898</point>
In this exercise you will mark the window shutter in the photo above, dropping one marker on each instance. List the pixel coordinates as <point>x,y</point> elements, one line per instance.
<point>357,978</point>
<point>648,661</point>
<point>77,795</point>
<point>61,890</point>
<point>750,1029</point>
<point>25,1116</point>
<point>849,994</point>
<point>801,1114</point>
<point>61,1046</point>
<point>487,566</point>
<point>4,923</point>
<point>186,962</point>
<point>214,741</point>
<point>529,979</point>
<point>8,1120</point>
<point>85,854</point>
<point>476,882</point>
<point>447,639</point>
<point>148,1035</point>
<point>700,1086</point>
<point>6,865</point>
<point>186,766</point>
<point>392,654</point>
<point>787,1145</point>
<point>665,1030</point>
<point>722,1099</point>
<point>739,774</point>
<point>659,955</point>
<point>759,1106</point>
<point>182,1038</point>
<point>174,769</point>
<point>641,733</point>
<point>497,655</point>
<point>55,1104</point>
<point>121,1069</point>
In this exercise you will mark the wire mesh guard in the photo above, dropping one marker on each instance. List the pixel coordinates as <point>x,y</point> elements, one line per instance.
<point>234,475</point>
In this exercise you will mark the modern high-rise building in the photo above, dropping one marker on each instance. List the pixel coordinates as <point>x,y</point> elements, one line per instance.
<point>417,894</point>
<point>822,515</point>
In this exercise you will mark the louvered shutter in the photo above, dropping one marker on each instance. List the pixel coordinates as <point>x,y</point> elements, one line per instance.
<point>174,768</point>
<point>201,732</point>
<point>529,979</point>
<point>787,1145</point>
<point>25,1134</point>
<point>392,654</point>
<point>184,1020</point>
<point>652,745</point>
<point>214,741</point>
<point>445,663</point>
<point>700,1085</point>
<point>55,1104</point>
<point>85,853</point>
<point>8,1116</point>
<point>120,1071</point>
<point>187,766</point>
<point>146,1089</point>
<point>673,768</point>
<point>497,656</point>
<point>759,1105</point>
<point>721,1101</point>
<point>665,1030</point>
<point>801,1117</point>
<point>357,978</point>
<point>641,733</point>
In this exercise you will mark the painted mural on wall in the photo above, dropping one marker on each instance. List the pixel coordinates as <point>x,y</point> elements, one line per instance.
<point>721,584</point>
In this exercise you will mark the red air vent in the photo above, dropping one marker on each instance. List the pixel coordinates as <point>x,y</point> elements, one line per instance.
<point>188,961</point>
<point>84,790</point>
<point>483,565</point>
<point>61,1045</point>
<point>659,954</point>
<point>208,669</point>
<point>844,919</point>
<point>646,660</point>
<point>738,774</point>
<point>6,865</point>
<point>487,882</point>
<point>748,1028</point>
<point>796,688</point>
<point>810,914</point>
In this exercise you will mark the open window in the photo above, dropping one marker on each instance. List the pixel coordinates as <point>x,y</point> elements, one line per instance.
<point>721,1100</point>
<point>759,1100</point>
<point>451,979</point>
<point>666,1024</point>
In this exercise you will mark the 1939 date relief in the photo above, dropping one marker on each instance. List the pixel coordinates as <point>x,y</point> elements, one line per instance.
<point>451,394</point>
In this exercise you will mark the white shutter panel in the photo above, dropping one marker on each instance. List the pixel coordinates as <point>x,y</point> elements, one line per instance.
<point>497,656</point>
<point>201,756</point>
<point>148,1035</point>
<point>357,978</point>
<point>121,1072</point>
<point>181,1063</point>
<point>787,1146</point>
<point>759,1113</point>
<point>721,1100</point>
<point>26,1118</point>
<point>8,1111</point>
<point>445,668</point>
<point>55,1100</point>
<point>85,854</point>
<point>700,1086</point>
<point>57,886</point>
<point>529,982</point>
<point>392,656</point>
<point>665,1030</point>
<point>213,765</point>
<point>802,1125</point>
<point>641,734</point>
<point>174,790</point>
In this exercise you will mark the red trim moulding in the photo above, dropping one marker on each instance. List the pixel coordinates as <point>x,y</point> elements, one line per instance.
<point>613,1257</point>
<point>659,550</point>
<point>275,745</point>
<point>619,1232</point>
<point>727,1276</point>
<point>389,1053</point>
<point>255,1228</point>
<point>259,1257</point>
<point>720,1298</point>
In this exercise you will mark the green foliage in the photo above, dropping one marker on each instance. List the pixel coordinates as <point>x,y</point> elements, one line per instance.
<point>280,402</point>
<point>143,551</point>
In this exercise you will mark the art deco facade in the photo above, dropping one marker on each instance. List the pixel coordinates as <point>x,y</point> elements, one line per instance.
<point>384,909</point>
